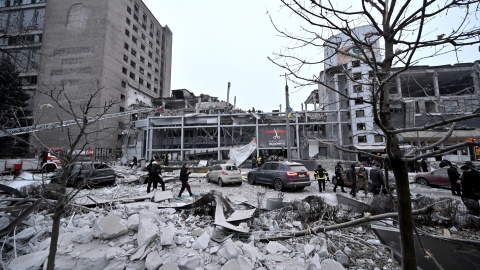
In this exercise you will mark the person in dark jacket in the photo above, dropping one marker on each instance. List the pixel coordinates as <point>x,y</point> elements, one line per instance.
<point>378,180</point>
<point>134,162</point>
<point>254,163</point>
<point>351,176</point>
<point>321,174</point>
<point>471,189</point>
<point>454,176</point>
<point>423,164</point>
<point>150,175</point>
<point>445,163</point>
<point>184,173</point>
<point>157,175</point>
<point>339,173</point>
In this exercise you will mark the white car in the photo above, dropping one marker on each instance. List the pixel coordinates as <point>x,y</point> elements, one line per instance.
<point>225,174</point>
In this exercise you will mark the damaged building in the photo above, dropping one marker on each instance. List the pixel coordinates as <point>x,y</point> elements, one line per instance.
<point>419,96</point>
<point>202,127</point>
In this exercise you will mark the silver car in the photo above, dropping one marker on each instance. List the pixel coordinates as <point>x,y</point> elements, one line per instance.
<point>225,174</point>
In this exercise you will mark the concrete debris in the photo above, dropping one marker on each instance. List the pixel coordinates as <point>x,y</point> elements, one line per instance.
<point>147,231</point>
<point>229,250</point>
<point>82,236</point>
<point>275,247</point>
<point>167,234</point>
<point>133,222</point>
<point>169,266</point>
<point>153,260</point>
<point>329,264</point>
<point>202,241</point>
<point>31,261</point>
<point>194,233</point>
<point>110,227</point>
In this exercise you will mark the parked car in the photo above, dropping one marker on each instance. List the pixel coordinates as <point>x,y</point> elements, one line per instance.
<point>81,174</point>
<point>391,180</point>
<point>281,175</point>
<point>225,174</point>
<point>437,178</point>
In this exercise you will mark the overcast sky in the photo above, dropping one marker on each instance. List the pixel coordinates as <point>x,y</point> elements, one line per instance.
<point>216,42</point>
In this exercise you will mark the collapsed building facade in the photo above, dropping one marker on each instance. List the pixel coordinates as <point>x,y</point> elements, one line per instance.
<point>421,95</point>
<point>201,127</point>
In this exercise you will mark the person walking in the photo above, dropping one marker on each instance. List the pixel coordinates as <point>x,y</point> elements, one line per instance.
<point>254,162</point>
<point>320,175</point>
<point>362,176</point>
<point>423,164</point>
<point>134,162</point>
<point>184,173</point>
<point>150,175</point>
<point>454,178</point>
<point>157,175</point>
<point>351,176</point>
<point>339,173</point>
<point>378,180</point>
<point>471,189</point>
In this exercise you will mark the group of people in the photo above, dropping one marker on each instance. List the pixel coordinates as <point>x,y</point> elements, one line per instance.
<point>155,177</point>
<point>469,181</point>
<point>358,178</point>
<point>257,162</point>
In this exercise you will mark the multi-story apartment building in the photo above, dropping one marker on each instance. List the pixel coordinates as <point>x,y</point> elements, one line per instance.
<point>115,46</point>
<point>418,96</point>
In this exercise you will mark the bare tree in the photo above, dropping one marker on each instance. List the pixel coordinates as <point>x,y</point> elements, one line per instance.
<point>402,33</point>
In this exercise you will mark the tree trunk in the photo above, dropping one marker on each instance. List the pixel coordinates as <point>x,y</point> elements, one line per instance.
<point>405,218</point>
<point>59,207</point>
<point>55,233</point>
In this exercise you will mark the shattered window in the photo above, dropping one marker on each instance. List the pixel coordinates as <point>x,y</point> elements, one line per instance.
<point>450,106</point>
<point>471,104</point>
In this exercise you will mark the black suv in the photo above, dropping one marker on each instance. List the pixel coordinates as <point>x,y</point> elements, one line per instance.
<point>87,174</point>
<point>281,175</point>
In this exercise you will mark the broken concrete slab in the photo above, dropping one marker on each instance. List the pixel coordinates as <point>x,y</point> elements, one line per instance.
<point>94,259</point>
<point>241,215</point>
<point>229,250</point>
<point>245,263</point>
<point>329,264</point>
<point>167,234</point>
<point>169,266</point>
<point>231,265</point>
<point>82,236</point>
<point>314,263</point>
<point>147,231</point>
<point>308,249</point>
<point>274,247</point>
<point>31,261</point>
<point>341,257</point>
<point>117,263</point>
<point>110,227</point>
<point>138,253</point>
<point>349,204</point>
<point>252,252</point>
<point>133,222</point>
<point>162,195</point>
<point>153,260</point>
<point>202,241</point>
<point>220,217</point>
<point>190,263</point>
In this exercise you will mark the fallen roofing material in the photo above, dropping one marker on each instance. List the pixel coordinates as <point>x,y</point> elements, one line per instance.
<point>241,215</point>
<point>220,217</point>
<point>90,200</point>
<point>10,190</point>
<point>21,217</point>
<point>450,253</point>
<point>355,206</point>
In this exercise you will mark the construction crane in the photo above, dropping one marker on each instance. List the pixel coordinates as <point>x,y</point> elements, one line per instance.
<point>30,129</point>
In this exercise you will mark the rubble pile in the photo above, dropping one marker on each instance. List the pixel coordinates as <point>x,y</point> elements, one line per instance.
<point>140,235</point>
<point>126,228</point>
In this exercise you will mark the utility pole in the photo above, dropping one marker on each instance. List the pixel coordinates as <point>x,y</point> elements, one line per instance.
<point>288,121</point>
<point>228,97</point>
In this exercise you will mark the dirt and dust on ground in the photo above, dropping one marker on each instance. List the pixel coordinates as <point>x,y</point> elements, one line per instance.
<point>230,227</point>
